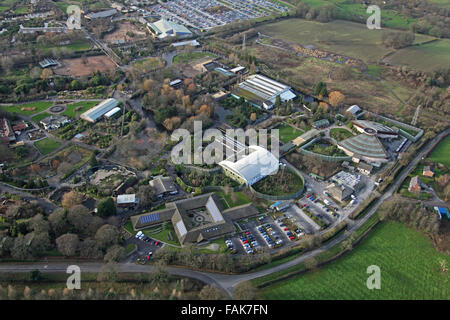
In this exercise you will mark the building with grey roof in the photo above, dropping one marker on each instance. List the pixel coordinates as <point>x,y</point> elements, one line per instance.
<point>164,28</point>
<point>95,113</point>
<point>196,219</point>
<point>163,186</point>
<point>365,146</point>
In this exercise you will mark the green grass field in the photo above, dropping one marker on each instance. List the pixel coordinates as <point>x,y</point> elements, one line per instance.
<point>287,133</point>
<point>74,110</point>
<point>190,56</point>
<point>426,57</point>
<point>233,199</point>
<point>344,37</point>
<point>441,154</point>
<point>34,107</point>
<point>37,118</point>
<point>47,145</point>
<point>410,269</point>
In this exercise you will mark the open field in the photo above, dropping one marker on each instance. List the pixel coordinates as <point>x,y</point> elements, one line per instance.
<point>441,154</point>
<point>76,67</point>
<point>121,33</point>
<point>28,109</point>
<point>413,273</point>
<point>287,133</point>
<point>427,57</point>
<point>343,37</point>
<point>76,46</point>
<point>47,145</point>
<point>74,110</point>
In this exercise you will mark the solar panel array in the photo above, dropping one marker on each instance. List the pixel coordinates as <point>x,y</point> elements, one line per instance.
<point>149,218</point>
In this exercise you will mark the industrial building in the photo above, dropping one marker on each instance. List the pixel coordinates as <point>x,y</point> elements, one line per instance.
<point>196,219</point>
<point>164,28</point>
<point>95,113</point>
<point>344,184</point>
<point>253,167</point>
<point>263,92</point>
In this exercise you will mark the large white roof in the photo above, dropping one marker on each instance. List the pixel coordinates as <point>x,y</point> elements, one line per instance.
<point>255,166</point>
<point>99,110</point>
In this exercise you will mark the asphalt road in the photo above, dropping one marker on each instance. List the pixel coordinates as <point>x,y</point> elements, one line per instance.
<point>226,281</point>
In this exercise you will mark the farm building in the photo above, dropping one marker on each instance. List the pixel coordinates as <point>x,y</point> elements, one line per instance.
<point>354,109</point>
<point>163,186</point>
<point>253,167</point>
<point>112,112</point>
<point>48,62</point>
<point>127,200</point>
<point>196,219</point>
<point>6,132</point>
<point>164,28</point>
<point>428,171</point>
<point>263,92</point>
<point>95,113</point>
<point>414,184</point>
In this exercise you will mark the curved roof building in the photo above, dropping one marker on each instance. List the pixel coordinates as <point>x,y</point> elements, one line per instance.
<point>366,146</point>
<point>381,130</point>
<point>253,167</point>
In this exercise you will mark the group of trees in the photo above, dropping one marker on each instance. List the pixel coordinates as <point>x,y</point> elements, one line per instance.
<point>397,40</point>
<point>411,213</point>
<point>325,13</point>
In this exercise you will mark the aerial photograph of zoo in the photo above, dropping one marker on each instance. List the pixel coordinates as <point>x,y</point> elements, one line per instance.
<point>224,158</point>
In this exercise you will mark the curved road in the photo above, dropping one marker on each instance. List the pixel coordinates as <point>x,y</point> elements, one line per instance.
<point>227,281</point>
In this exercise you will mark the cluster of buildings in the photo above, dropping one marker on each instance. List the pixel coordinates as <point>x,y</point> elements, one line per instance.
<point>54,122</point>
<point>196,219</point>
<point>344,184</point>
<point>9,132</point>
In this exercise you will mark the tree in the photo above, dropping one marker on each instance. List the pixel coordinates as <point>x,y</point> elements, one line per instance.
<point>115,254</point>
<point>67,244</point>
<point>58,221</point>
<point>90,249</point>
<point>93,160</point>
<point>321,89</point>
<point>145,194</point>
<point>46,74</point>
<point>244,291</point>
<point>107,236</point>
<point>106,207</point>
<point>211,292</point>
<point>71,199</point>
<point>80,218</point>
<point>336,98</point>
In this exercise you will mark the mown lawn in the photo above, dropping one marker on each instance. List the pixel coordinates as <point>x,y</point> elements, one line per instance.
<point>233,199</point>
<point>287,133</point>
<point>73,110</point>
<point>47,145</point>
<point>37,118</point>
<point>410,269</point>
<point>28,109</point>
<point>441,154</point>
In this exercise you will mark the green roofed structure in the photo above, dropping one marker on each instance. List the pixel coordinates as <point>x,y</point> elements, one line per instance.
<point>164,28</point>
<point>365,146</point>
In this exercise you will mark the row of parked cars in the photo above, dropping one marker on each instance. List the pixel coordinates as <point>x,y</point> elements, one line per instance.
<point>230,245</point>
<point>269,235</point>
<point>286,230</point>
<point>141,236</point>
<point>249,242</point>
